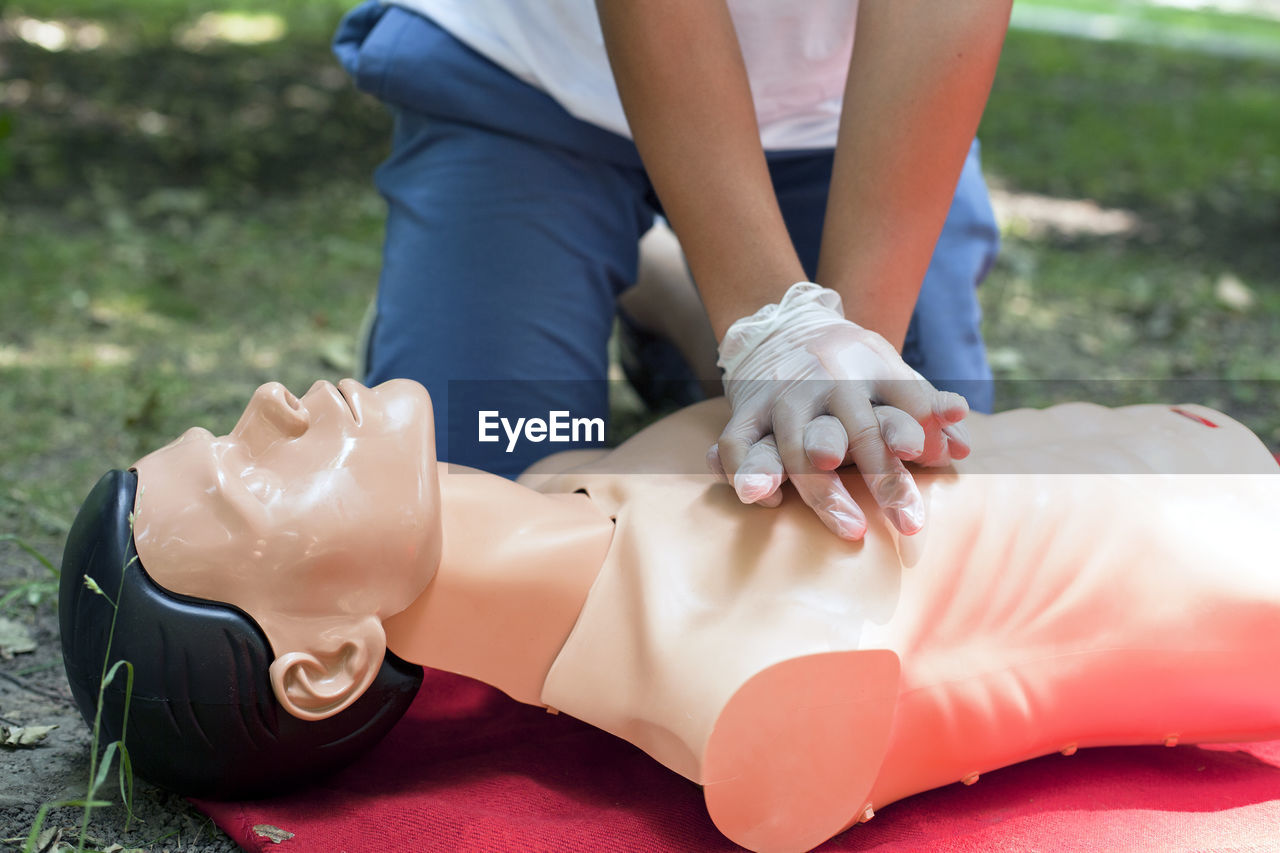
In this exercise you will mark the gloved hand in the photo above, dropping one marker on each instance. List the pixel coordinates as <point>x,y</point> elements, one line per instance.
<point>811,391</point>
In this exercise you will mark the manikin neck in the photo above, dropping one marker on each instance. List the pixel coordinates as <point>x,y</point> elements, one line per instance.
<point>515,570</point>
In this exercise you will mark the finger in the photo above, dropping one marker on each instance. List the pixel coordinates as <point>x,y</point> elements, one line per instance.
<point>862,426</point>
<point>926,404</point>
<point>821,491</point>
<point>959,444</point>
<point>901,432</point>
<point>889,481</point>
<point>950,407</point>
<point>937,447</point>
<point>825,494</point>
<point>761,473</point>
<point>791,417</point>
<point>713,463</point>
<point>946,434</point>
<point>766,450</point>
<point>739,436</point>
<point>772,501</point>
<point>825,443</point>
<point>898,497</point>
<point>913,394</point>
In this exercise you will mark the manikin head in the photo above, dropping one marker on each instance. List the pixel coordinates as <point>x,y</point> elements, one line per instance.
<point>318,516</point>
<point>315,518</point>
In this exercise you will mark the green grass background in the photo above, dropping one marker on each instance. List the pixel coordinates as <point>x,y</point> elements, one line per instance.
<point>181,224</point>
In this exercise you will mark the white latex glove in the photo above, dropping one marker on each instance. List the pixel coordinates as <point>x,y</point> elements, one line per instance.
<point>811,391</point>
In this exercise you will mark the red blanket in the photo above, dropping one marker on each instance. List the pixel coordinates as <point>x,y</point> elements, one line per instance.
<point>469,769</point>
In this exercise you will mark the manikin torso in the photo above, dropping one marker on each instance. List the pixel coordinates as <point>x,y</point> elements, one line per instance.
<point>1083,551</point>
<point>1087,576</point>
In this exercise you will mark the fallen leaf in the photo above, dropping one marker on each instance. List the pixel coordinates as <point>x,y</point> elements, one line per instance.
<point>15,736</point>
<point>49,841</point>
<point>274,834</point>
<point>14,639</point>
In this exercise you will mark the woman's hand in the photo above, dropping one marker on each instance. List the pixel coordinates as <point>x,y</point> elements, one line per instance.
<point>811,391</point>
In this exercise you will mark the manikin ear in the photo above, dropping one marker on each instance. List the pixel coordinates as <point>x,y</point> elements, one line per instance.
<point>335,672</point>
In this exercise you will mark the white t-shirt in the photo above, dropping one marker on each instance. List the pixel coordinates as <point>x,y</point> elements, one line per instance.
<point>797,57</point>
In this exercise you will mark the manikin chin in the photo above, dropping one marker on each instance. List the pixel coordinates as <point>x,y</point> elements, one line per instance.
<point>1087,577</point>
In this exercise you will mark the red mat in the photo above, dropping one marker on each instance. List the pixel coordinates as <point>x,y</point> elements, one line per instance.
<point>468,769</point>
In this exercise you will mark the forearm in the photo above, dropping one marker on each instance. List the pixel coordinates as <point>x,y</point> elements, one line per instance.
<point>918,81</point>
<point>684,87</point>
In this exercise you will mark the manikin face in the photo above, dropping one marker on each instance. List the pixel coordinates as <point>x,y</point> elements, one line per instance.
<point>314,508</point>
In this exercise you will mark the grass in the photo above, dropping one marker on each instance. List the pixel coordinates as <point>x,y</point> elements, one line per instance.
<point>157,269</point>
<point>228,123</point>
<point>1204,21</point>
<point>141,328</point>
<point>1189,145</point>
<point>182,224</point>
<point>30,591</point>
<point>100,762</point>
<point>1190,141</point>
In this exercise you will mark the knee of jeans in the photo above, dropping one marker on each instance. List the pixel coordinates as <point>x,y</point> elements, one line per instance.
<point>351,33</point>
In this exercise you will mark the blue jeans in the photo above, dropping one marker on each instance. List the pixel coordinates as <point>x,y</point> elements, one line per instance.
<point>513,227</point>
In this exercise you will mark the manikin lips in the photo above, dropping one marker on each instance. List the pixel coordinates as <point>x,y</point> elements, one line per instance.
<point>348,397</point>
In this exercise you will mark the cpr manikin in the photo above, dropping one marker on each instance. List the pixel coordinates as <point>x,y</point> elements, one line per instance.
<point>1087,577</point>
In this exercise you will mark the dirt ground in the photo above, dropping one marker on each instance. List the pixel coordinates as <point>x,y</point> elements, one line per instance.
<point>34,692</point>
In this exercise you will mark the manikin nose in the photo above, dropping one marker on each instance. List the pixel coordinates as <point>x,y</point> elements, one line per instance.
<point>272,414</point>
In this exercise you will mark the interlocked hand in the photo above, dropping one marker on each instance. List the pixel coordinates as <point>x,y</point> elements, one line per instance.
<point>811,391</point>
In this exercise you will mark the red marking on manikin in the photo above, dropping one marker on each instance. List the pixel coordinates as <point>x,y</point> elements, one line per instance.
<point>1200,419</point>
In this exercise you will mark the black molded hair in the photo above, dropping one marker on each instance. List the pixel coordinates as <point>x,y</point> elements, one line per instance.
<point>203,720</point>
